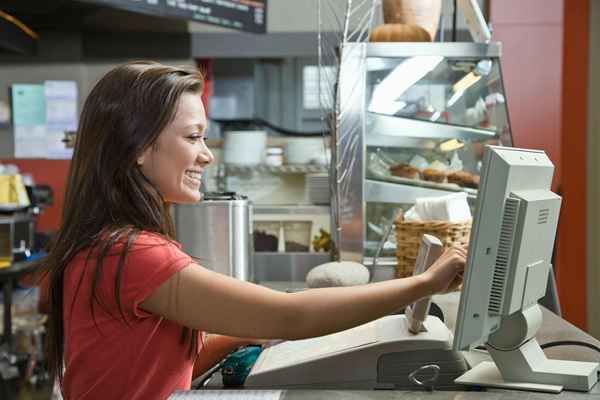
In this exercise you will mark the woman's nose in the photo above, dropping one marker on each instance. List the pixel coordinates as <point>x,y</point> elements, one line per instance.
<point>206,156</point>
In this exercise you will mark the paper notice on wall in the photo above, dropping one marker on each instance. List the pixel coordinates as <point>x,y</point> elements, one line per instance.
<point>61,105</point>
<point>30,141</point>
<point>29,104</point>
<point>57,146</point>
<point>61,117</point>
<point>29,119</point>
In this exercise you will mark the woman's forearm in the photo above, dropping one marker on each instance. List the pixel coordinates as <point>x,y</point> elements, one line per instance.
<point>312,308</point>
<point>351,306</point>
<point>202,299</point>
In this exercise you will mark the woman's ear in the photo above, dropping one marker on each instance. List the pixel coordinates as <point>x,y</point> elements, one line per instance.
<point>142,157</point>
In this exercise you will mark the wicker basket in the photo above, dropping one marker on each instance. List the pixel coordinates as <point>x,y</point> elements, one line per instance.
<point>409,234</point>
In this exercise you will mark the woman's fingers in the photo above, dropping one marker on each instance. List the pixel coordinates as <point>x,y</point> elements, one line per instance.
<point>461,250</point>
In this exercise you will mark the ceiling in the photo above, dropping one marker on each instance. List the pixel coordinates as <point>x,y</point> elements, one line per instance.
<point>46,16</point>
<point>72,15</point>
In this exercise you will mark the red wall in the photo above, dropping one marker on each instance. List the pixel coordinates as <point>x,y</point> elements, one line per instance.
<point>531,33</point>
<point>49,172</point>
<point>546,79</point>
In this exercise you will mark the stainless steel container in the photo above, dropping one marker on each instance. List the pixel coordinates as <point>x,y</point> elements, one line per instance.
<point>218,232</point>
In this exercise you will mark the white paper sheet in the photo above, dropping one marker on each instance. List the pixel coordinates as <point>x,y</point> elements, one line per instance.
<point>228,395</point>
<point>30,141</point>
<point>61,105</point>
<point>61,116</point>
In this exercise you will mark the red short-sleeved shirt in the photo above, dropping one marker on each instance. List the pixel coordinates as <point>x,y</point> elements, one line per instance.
<point>110,359</point>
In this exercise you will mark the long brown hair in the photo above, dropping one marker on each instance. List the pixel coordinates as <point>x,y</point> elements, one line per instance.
<point>108,200</point>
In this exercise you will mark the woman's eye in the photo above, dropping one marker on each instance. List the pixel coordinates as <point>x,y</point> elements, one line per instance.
<point>195,138</point>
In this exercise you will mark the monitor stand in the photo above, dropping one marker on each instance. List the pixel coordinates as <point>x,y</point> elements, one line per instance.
<point>519,362</point>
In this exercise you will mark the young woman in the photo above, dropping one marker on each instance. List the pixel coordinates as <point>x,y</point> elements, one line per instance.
<point>128,306</point>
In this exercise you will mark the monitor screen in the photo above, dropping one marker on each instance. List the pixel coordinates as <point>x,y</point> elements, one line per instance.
<point>511,242</point>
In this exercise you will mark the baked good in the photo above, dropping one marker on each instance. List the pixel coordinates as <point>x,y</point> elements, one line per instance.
<point>337,273</point>
<point>464,178</point>
<point>399,33</point>
<point>475,182</point>
<point>433,175</point>
<point>458,177</point>
<point>404,171</point>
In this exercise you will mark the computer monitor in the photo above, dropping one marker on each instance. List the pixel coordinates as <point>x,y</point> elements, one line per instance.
<point>510,252</point>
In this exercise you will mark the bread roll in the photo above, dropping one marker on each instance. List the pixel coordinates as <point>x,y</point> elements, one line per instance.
<point>399,33</point>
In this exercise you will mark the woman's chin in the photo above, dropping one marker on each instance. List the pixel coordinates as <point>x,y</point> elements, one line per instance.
<point>190,197</point>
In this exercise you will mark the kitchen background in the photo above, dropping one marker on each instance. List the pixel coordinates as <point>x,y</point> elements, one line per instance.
<point>263,77</point>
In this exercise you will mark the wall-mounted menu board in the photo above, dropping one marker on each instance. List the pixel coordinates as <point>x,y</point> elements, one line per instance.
<point>244,15</point>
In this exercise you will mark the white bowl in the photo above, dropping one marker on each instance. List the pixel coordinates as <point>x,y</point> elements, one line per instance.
<point>305,150</point>
<point>244,147</point>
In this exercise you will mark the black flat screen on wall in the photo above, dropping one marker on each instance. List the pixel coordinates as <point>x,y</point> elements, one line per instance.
<point>244,15</point>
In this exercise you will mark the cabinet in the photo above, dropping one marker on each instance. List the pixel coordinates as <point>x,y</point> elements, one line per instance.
<point>414,119</point>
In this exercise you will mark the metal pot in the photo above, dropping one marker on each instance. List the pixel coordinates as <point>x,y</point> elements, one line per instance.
<point>218,232</point>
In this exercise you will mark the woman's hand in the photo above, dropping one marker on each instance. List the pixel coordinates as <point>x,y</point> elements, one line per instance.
<point>446,273</point>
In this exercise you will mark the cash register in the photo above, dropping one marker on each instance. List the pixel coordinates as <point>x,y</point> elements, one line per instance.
<point>404,352</point>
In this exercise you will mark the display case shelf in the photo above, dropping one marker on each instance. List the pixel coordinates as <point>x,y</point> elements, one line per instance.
<point>387,50</point>
<point>382,128</point>
<point>388,192</point>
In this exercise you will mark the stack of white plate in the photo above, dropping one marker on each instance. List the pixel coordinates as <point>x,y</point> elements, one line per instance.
<point>317,188</point>
<point>244,147</point>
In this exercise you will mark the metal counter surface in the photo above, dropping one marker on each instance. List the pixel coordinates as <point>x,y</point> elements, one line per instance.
<point>388,395</point>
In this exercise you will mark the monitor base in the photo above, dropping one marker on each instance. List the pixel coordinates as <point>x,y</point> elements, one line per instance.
<point>486,374</point>
<point>528,368</point>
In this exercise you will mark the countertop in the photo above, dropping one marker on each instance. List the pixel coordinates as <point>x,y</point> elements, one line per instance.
<point>383,395</point>
<point>553,328</point>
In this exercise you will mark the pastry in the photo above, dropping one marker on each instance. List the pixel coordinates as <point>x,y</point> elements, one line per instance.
<point>433,175</point>
<point>399,33</point>
<point>474,182</point>
<point>464,178</point>
<point>404,171</point>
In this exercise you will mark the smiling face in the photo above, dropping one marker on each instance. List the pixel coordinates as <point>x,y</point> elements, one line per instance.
<point>174,164</point>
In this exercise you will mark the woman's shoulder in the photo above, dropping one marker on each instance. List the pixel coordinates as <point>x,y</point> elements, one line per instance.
<point>148,238</point>
<point>145,244</point>
<point>152,243</point>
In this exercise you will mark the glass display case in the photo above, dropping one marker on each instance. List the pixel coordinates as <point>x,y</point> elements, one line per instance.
<point>424,113</point>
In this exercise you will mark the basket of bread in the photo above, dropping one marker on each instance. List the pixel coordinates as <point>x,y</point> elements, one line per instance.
<point>448,218</point>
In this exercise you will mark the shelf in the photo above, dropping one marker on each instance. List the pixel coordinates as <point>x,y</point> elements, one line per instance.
<point>16,218</point>
<point>388,192</point>
<point>282,169</point>
<point>449,187</point>
<point>292,209</point>
<point>462,50</point>
<point>377,140</point>
<point>399,128</point>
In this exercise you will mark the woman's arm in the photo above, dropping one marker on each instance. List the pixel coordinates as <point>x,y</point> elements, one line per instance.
<point>199,298</point>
